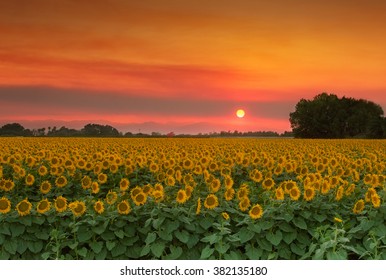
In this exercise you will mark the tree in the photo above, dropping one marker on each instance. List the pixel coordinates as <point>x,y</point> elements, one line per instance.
<point>327,116</point>
<point>99,130</point>
<point>14,129</point>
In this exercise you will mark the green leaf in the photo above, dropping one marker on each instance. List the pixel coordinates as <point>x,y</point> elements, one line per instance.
<point>39,220</point>
<point>84,234</point>
<point>295,248</point>
<point>129,241</point>
<point>82,252</point>
<point>267,225</point>
<point>17,229</point>
<point>101,255</point>
<point>265,244</point>
<point>171,226</point>
<point>130,231</point>
<point>299,222</point>
<point>338,255</point>
<point>245,235</point>
<point>222,248</point>
<point>73,245</point>
<point>108,235</point>
<point>255,227</point>
<point>42,235</point>
<point>193,240</point>
<point>10,246</point>
<point>4,255</point>
<point>182,236</point>
<point>175,253</point>
<point>26,220</point>
<point>288,217</point>
<point>21,246</point>
<point>118,250</point>
<point>319,217</point>
<point>253,253</point>
<point>213,238</point>
<point>46,255</point>
<point>233,255</point>
<point>165,235</point>
<point>96,246</point>
<point>158,222</point>
<point>151,237</point>
<point>145,250</point>
<point>2,238</point>
<point>206,252</point>
<point>157,248</point>
<point>206,223</point>
<point>110,245</point>
<point>286,227</point>
<point>35,246</point>
<point>4,229</point>
<point>275,238</point>
<point>101,228</point>
<point>120,234</point>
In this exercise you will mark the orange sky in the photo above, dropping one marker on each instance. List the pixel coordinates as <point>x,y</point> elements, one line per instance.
<point>186,65</point>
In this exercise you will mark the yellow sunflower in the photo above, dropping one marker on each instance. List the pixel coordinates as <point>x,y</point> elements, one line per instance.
<point>279,194</point>
<point>86,182</point>
<point>29,180</point>
<point>350,189</point>
<point>99,207</point>
<point>189,191</point>
<point>45,187</point>
<point>228,182</point>
<point>5,205</point>
<point>135,191</point>
<point>95,187</point>
<point>43,206</point>
<point>215,185</point>
<point>376,200</point>
<point>339,193</point>
<point>243,191</point>
<point>111,197</point>
<point>124,184</point>
<point>211,201</point>
<point>294,193</point>
<point>182,197</point>
<point>24,207</point>
<point>170,181</point>
<point>225,215</point>
<point>309,193</point>
<point>337,220</point>
<point>8,185</point>
<point>140,198</point>
<point>124,207</point>
<point>229,194</point>
<point>61,181</point>
<point>78,208</point>
<point>244,204</point>
<point>42,170</point>
<point>359,206</point>
<point>268,183</point>
<point>60,204</point>
<point>256,212</point>
<point>102,178</point>
<point>198,209</point>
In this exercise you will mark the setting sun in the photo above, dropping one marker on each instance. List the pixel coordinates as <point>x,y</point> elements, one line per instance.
<point>240,113</point>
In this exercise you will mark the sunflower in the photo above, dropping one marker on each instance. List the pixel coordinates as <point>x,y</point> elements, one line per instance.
<point>86,182</point>
<point>339,193</point>
<point>61,181</point>
<point>288,185</point>
<point>113,168</point>
<point>256,176</point>
<point>42,170</point>
<point>228,182</point>
<point>229,194</point>
<point>170,181</point>
<point>243,191</point>
<point>158,195</point>
<point>99,207</point>
<point>5,205</point>
<point>8,185</point>
<point>256,212</point>
<point>215,185</point>
<point>178,175</point>
<point>325,187</point>
<point>294,193</point>
<point>189,191</point>
<point>211,201</point>
<point>188,164</point>
<point>182,197</point>
<point>95,187</point>
<point>124,207</point>
<point>279,193</point>
<point>29,180</point>
<point>225,215</point>
<point>140,198</point>
<point>368,179</point>
<point>102,178</point>
<point>24,207</point>
<point>350,189</point>
<point>197,169</point>
<point>111,197</point>
<point>268,183</point>
<point>60,204</point>
<point>77,208</point>
<point>359,206</point>
<point>375,200</point>
<point>148,189</point>
<point>309,193</point>
<point>244,204</point>
<point>337,220</point>
<point>124,184</point>
<point>154,167</point>
<point>43,206</point>
<point>135,191</point>
<point>198,209</point>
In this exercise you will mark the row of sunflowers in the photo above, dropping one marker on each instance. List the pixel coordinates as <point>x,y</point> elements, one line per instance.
<point>192,198</point>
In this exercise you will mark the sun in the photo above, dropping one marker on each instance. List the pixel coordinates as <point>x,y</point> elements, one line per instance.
<point>240,113</point>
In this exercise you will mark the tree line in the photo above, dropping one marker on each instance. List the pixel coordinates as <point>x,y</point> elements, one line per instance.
<point>328,116</point>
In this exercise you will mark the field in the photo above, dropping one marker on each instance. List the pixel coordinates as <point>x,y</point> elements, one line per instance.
<point>67,198</point>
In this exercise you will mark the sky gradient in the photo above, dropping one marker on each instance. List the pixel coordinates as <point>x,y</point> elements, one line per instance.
<point>185,66</point>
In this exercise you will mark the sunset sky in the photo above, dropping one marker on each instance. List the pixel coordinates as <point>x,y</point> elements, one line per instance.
<point>185,66</point>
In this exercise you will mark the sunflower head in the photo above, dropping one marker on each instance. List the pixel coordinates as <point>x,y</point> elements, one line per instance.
<point>294,193</point>
<point>215,185</point>
<point>86,182</point>
<point>140,198</point>
<point>24,207</point>
<point>102,178</point>
<point>42,170</point>
<point>244,204</point>
<point>5,205</point>
<point>111,197</point>
<point>99,207</point>
<point>309,193</point>
<point>61,181</point>
<point>359,206</point>
<point>211,201</point>
<point>124,207</point>
<point>225,215</point>
<point>229,194</point>
<point>43,206</point>
<point>256,212</point>
<point>45,187</point>
<point>60,204</point>
<point>29,180</point>
<point>78,208</point>
<point>95,187</point>
<point>279,194</point>
<point>198,209</point>
<point>124,184</point>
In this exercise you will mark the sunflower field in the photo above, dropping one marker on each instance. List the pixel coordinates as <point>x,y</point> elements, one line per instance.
<point>94,198</point>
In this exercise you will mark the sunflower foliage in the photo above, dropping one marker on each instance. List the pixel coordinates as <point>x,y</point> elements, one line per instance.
<point>192,199</point>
